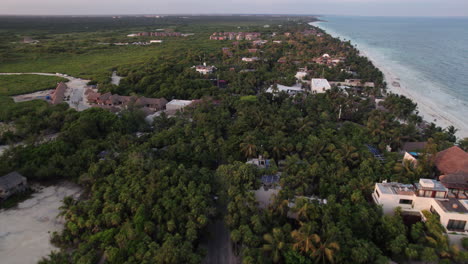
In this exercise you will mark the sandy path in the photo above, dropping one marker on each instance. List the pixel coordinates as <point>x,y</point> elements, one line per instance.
<point>218,244</point>
<point>25,230</point>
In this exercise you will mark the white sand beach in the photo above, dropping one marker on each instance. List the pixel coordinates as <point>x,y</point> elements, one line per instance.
<point>431,111</point>
<point>25,230</point>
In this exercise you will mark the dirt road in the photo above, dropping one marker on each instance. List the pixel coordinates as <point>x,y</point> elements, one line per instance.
<point>77,88</point>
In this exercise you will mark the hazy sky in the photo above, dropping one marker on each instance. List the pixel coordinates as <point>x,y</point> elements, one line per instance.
<point>339,7</point>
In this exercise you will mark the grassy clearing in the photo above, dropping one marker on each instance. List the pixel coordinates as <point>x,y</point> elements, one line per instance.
<point>93,64</point>
<point>21,84</point>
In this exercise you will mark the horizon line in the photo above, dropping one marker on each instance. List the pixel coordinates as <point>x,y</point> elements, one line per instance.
<point>220,14</point>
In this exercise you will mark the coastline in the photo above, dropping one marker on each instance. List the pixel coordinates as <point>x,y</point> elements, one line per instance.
<point>428,110</point>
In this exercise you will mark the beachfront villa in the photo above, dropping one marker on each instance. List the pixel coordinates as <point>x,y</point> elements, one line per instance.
<point>354,83</point>
<point>429,195</point>
<point>320,85</point>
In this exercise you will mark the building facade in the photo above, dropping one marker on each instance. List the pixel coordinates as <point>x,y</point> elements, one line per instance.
<point>427,194</point>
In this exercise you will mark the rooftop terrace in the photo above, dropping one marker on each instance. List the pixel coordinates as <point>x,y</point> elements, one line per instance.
<point>452,206</point>
<point>396,188</point>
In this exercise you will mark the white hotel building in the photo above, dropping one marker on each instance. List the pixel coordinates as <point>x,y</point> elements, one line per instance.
<point>428,195</point>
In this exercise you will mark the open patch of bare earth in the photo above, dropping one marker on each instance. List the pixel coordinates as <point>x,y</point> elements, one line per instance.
<point>25,230</point>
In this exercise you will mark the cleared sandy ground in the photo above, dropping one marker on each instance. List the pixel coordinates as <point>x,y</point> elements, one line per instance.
<point>77,88</point>
<point>25,230</point>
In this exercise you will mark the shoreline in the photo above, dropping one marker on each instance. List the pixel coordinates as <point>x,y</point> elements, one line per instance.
<point>428,110</point>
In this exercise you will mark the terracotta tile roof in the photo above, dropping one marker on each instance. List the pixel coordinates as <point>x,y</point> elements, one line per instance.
<point>59,93</point>
<point>151,102</point>
<point>452,160</point>
<point>105,96</point>
<point>455,180</point>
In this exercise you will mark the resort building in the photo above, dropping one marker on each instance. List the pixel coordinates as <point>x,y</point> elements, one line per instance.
<point>155,34</point>
<point>301,74</point>
<point>452,165</point>
<point>235,36</point>
<point>203,69</point>
<point>12,183</point>
<point>427,194</point>
<point>260,162</point>
<point>58,95</point>
<point>320,85</point>
<point>329,61</point>
<point>116,103</point>
<point>354,83</point>
<point>252,59</point>
<point>176,105</point>
<point>291,90</point>
<point>452,160</point>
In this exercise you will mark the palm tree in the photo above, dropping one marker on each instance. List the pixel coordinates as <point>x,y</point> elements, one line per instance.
<point>249,149</point>
<point>275,243</point>
<point>305,209</point>
<point>325,251</point>
<point>305,238</point>
<point>282,207</point>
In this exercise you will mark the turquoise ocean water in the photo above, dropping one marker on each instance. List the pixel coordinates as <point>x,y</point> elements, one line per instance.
<point>428,56</point>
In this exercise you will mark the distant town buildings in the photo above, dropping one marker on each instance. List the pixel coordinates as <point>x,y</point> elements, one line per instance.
<point>235,36</point>
<point>29,40</point>
<point>252,59</point>
<point>259,42</point>
<point>320,85</point>
<point>156,34</point>
<point>12,183</point>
